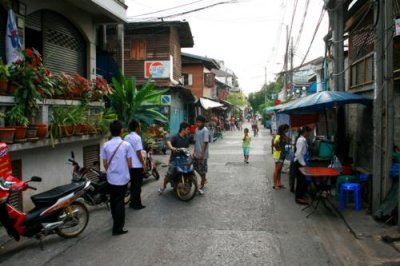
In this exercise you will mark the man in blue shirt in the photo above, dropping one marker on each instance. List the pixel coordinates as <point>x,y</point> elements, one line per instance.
<point>202,139</point>
<point>117,160</point>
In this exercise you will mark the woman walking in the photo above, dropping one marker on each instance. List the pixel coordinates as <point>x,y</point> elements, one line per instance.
<point>246,140</point>
<point>279,146</point>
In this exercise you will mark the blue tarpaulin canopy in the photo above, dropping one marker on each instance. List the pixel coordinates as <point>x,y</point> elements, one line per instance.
<point>322,100</point>
<point>272,109</point>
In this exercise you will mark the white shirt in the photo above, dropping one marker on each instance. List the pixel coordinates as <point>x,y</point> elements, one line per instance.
<point>301,150</point>
<point>118,170</point>
<point>136,142</point>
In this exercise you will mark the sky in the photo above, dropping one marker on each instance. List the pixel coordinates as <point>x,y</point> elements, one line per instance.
<point>249,35</point>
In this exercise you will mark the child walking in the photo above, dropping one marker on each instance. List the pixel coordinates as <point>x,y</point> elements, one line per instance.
<point>246,145</point>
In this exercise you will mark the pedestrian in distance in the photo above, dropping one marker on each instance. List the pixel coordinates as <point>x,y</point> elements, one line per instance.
<point>200,155</point>
<point>232,123</point>
<point>300,160</point>
<point>180,140</point>
<point>138,169</point>
<point>117,160</point>
<point>279,147</point>
<point>246,140</point>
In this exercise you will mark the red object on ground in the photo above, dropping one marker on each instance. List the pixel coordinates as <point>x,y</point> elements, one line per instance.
<point>347,169</point>
<point>319,171</point>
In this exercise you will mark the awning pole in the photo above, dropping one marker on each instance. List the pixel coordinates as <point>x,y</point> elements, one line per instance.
<point>326,123</point>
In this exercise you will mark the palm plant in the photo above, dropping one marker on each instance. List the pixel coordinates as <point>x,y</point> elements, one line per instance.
<point>129,103</point>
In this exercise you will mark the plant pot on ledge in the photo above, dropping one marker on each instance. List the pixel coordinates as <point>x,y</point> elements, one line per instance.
<point>42,130</point>
<point>20,132</point>
<point>67,130</point>
<point>31,134</point>
<point>3,86</point>
<point>7,135</point>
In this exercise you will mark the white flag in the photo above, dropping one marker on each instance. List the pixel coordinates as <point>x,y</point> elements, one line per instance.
<point>13,44</point>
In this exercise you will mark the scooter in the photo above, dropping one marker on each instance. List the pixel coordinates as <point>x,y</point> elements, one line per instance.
<point>184,181</point>
<point>151,164</point>
<point>56,211</point>
<point>99,194</point>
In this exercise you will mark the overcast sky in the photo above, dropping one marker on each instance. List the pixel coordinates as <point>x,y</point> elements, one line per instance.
<point>249,35</point>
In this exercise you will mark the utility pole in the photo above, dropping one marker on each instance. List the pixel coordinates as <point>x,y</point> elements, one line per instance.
<point>291,65</point>
<point>285,83</point>
<point>265,86</point>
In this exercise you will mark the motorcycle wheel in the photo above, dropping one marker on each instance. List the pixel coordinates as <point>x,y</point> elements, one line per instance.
<point>77,218</point>
<point>127,198</point>
<point>186,191</point>
<point>155,173</point>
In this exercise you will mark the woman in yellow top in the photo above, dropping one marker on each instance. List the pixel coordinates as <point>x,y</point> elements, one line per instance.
<point>246,140</point>
<point>280,142</point>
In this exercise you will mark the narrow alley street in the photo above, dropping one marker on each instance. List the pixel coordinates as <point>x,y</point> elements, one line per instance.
<point>240,220</point>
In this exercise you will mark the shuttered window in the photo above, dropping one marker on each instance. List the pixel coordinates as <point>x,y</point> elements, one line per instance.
<point>16,197</point>
<point>91,154</point>
<point>138,50</point>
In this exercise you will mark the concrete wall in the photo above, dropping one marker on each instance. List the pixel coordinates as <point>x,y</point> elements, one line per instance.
<point>50,164</point>
<point>81,20</point>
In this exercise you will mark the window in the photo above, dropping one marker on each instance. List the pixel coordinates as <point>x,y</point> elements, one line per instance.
<point>362,71</point>
<point>138,50</point>
<point>187,79</point>
<point>209,80</point>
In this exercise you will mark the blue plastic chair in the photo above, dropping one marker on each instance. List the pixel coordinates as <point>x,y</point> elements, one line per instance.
<point>356,188</point>
<point>363,177</point>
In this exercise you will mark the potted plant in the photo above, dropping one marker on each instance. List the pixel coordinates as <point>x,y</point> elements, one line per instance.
<point>41,130</point>
<point>17,120</point>
<point>4,75</point>
<point>100,88</point>
<point>6,134</point>
<point>81,87</point>
<point>64,84</point>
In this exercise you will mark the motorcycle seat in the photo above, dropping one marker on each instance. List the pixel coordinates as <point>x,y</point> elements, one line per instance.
<point>51,196</point>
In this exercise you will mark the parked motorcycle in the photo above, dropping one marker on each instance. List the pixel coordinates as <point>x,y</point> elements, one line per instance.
<point>151,164</point>
<point>99,194</point>
<point>184,182</point>
<point>56,210</point>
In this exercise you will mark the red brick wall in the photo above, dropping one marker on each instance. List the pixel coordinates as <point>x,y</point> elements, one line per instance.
<point>198,81</point>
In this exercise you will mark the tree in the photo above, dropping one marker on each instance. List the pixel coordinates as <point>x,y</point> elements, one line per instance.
<point>129,103</point>
<point>265,96</point>
<point>237,98</point>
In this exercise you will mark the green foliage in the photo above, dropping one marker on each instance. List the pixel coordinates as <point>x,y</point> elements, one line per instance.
<point>4,72</point>
<point>16,116</point>
<point>264,97</point>
<point>129,103</point>
<point>237,98</point>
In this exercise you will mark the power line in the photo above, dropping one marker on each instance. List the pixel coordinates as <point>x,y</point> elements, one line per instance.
<point>315,33</point>
<point>302,25</point>
<point>167,9</point>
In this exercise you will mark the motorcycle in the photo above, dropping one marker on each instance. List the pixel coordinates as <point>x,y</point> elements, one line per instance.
<point>56,210</point>
<point>184,181</point>
<point>99,193</point>
<point>151,165</point>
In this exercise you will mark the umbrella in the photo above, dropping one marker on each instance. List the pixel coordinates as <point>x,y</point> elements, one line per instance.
<point>321,101</point>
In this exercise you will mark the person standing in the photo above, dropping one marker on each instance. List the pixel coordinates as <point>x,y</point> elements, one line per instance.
<point>279,149</point>
<point>232,123</point>
<point>246,140</point>
<point>138,169</point>
<point>300,160</point>
<point>180,140</point>
<point>202,139</point>
<point>117,160</point>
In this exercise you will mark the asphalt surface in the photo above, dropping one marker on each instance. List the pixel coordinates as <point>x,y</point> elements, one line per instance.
<point>240,220</point>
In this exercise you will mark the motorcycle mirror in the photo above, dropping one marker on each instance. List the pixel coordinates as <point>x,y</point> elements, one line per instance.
<point>72,155</point>
<point>36,179</point>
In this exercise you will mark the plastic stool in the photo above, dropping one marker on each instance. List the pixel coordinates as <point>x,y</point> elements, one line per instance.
<point>363,177</point>
<point>344,179</point>
<point>356,188</point>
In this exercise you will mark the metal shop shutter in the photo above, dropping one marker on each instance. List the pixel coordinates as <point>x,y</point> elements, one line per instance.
<point>64,49</point>
<point>16,197</point>
<point>91,154</point>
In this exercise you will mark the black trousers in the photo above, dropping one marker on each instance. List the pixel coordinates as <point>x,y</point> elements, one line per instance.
<point>117,196</point>
<point>136,186</point>
<point>301,184</point>
<point>292,177</point>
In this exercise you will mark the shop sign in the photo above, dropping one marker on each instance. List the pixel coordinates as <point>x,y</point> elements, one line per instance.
<point>157,69</point>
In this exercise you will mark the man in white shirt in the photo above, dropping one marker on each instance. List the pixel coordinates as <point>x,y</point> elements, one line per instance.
<point>138,168</point>
<point>117,160</point>
<point>300,161</point>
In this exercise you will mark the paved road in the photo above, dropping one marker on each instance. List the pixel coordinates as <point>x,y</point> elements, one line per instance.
<point>240,220</point>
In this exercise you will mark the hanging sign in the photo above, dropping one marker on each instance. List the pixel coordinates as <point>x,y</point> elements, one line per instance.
<point>166,99</point>
<point>13,43</point>
<point>157,69</point>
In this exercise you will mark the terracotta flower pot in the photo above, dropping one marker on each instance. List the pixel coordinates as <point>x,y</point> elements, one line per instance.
<point>3,86</point>
<point>20,132</point>
<point>77,130</point>
<point>84,129</point>
<point>67,130</point>
<point>11,88</point>
<point>7,135</point>
<point>42,130</point>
